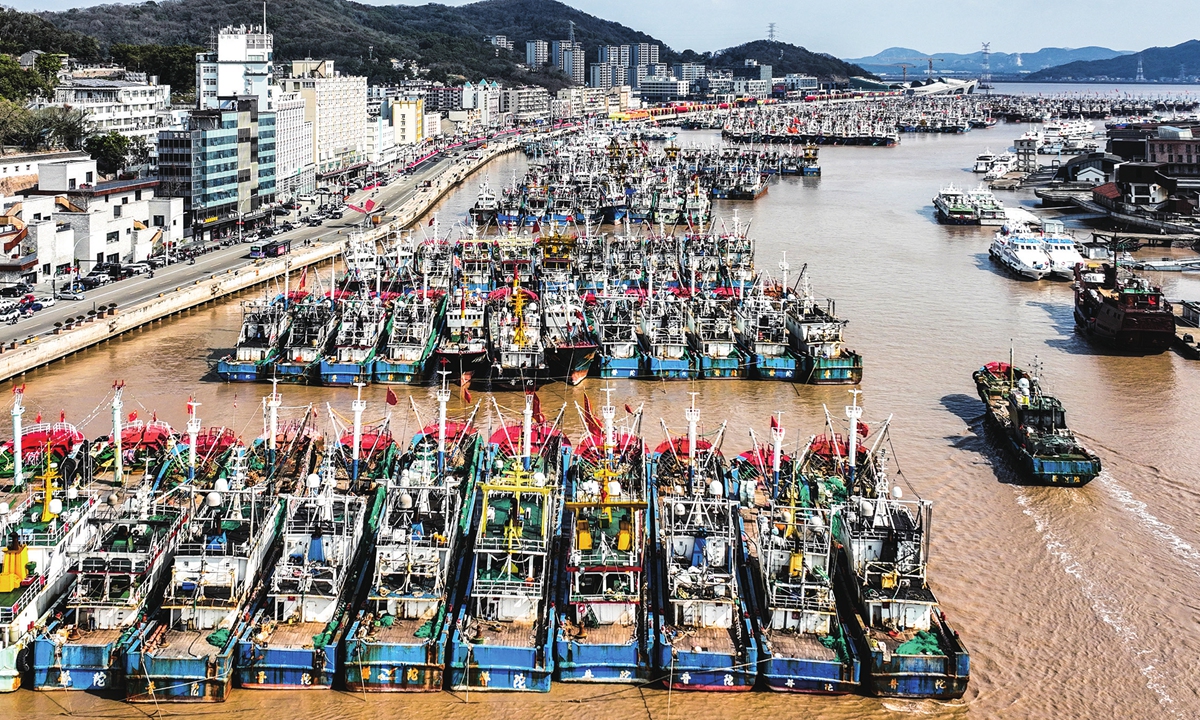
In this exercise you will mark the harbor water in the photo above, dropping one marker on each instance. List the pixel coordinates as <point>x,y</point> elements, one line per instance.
<point>1072,602</point>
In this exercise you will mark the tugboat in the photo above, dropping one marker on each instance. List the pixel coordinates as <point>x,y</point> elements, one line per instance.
<point>664,339</point>
<point>1034,426</point>
<point>516,349</point>
<point>805,647</point>
<point>603,634</point>
<point>353,355</point>
<point>1122,311</point>
<point>703,637</point>
<point>264,325</point>
<point>410,339</point>
<point>293,641</point>
<point>80,646</point>
<point>906,646</point>
<point>817,338</point>
<point>503,635</point>
<point>570,344</point>
<point>398,640</point>
<point>711,336</point>
<point>313,321</point>
<point>185,650</point>
<point>616,328</point>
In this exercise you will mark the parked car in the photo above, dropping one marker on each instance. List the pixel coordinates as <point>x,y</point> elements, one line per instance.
<point>137,268</point>
<point>46,301</point>
<point>315,222</point>
<point>335,215</point>
<point>91,282</point>
<point>68,294</point>
<point>15,291</point>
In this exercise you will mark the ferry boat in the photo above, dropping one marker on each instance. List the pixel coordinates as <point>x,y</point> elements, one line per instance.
<point>664,339</point>
<point>712,339</point>
<point>602,631</point>
<point>988,210</point>
<point>504,630</point>
<point>1061,249</point>
<point>817,336</point>
<point>703,637</point>
<point>352,357</point>
<point>264,325</point>
<point>983,161</point>
<point>570,343</point>
<point>804,644</point>
<point>185,650</point>
<point>80,645</point>
<point>410,339</point>
<point>293,641</point>
<point>398,641</point>
<point>313,322</point>
<point>761,324</point>
<point>462,344</point>
<point>907,647</point>
<point>1034,427</point>
<point>953,208</point>
<point>516,349</point>
<point>1122,311</point>
<point>46,516</point>
<point>1021,254</point>
<point>617,331</point>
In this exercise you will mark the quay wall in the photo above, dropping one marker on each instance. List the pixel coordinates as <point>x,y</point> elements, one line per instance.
<point>18,358</point>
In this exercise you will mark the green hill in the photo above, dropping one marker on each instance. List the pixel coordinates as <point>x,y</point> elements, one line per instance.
<point>785,58</point>
<point>1158,63</point>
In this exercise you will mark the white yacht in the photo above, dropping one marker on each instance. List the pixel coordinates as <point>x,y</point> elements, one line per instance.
<point>1021,253</point>
<point>983,161</point>
<point>1061,249</point>
<point>1002,164</point>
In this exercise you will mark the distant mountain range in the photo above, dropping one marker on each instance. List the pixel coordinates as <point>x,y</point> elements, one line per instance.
<point>972,63</point>
<point>362,39</point>
<point>1158,64</point>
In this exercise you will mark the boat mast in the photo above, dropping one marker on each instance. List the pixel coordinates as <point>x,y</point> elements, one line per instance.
<point>443,397</point>
<point>854,412</point>
<point>18,454</point>
<point>527,432</point>
<point>193,430</point>
<point>358,406</point>
<point>274,400</point>
<point>693,420</point>
<point>117,406</point>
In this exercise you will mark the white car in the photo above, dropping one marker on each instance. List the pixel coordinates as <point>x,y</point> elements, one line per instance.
<point>45,301</point>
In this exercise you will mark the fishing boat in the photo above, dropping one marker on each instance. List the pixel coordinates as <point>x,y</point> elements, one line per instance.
<point>475,262</point>
<point>116,575</point>
<point>45,515</point>
<point>569,339</point>
<point>953,208</point>
<point>293,640</point>
<point>626,259</point>
<point>620,353</point>
<point>703,637</point>
<point>509,209</point>
<point>1034,427</point>
<point>817,336</point>
<point>712,339</point>
<point>761,325</point>
<point>1122,311</point>
<point>603,633</point>
<point>352,358</point>
<point>264,325</point>
<point>185,650</point>
<point>702,262</point>
<point>504,631</point>
<point>736,248</point>
<point>1020,253</point>
<point>804,645</point>
<point>486,205</point>
<point>516,350</point>
<point>591,272</point>
<point>590,204</point>
<point>410,339</point>
<point>314,319</point>
<point>462,344</point>
<point>562,206</point>
<point>398,640</point>
<point>906,646</point>
<point>537,205</point>
<point>665,351</point>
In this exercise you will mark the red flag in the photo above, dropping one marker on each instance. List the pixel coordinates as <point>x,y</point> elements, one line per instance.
<point>863,429</point>
<point>391,397</point>
<point>774,422</point>
<point>466,394</point>
<point>589,417</point>
<point>38,419</point>
<point>537,227</point>
<point>431,221</point>
<point>303,277</point>
<point>62,416</point>
<point>628,409</point>
<point>537,407</point>
<point>133,416</point>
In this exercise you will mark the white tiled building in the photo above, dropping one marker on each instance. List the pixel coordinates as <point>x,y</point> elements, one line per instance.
<point>134,109</point>
<point>242,65</point>
<point>336,105</point>
<point>295,172</point>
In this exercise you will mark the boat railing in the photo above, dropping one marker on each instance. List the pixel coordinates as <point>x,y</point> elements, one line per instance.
<point>527,587</point>
<point>9,613</point>
<point>520,544</point>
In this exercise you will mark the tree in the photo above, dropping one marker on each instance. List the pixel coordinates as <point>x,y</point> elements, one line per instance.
<point>47,66</point>
<point>17,84</point>
<point>110,151</point>
<point>69,127</point>
<point>175,65</point>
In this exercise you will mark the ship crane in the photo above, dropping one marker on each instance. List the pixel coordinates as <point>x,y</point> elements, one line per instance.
<point>929,60</point>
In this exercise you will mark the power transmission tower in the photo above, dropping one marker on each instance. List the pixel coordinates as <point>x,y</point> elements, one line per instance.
<point>985,79</point>
<point>771,32</point>
<point>1141,77</point>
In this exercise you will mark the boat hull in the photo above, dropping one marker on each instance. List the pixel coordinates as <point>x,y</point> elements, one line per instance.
<point>615,367</point>
<point>570,364</point>
<point>237,371</point>
<point>804,675</point>
<point>292,668</point>
<point>711,368</point>
<point>387,372</point>
<point>1123,340</point>
<point>609,663</point>
<point>337,374</point>
<point>76,667</point>
<point>390,667</point>
<point>774,368</point>
<point>153,679</point>
<point>845,370</point>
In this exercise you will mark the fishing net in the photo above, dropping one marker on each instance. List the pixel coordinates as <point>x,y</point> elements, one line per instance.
<point>923,643</point>
<point>219,638</point>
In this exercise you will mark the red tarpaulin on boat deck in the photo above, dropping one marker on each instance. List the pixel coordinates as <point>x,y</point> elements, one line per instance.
<point>592,447</point>
<point>506,291</point>
<point>681,446</point>
<point>828,448</point>
<point>509,437</point>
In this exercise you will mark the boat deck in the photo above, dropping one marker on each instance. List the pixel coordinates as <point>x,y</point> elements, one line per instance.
<point>799,645</point>
<point>403,631</point>
<point>714,640</point>
<point>614,634</point>
<point>98,638</point>
<point>177,644</point>
<point>888,640</point>
<point>294,635</point>
<point>506,634</point>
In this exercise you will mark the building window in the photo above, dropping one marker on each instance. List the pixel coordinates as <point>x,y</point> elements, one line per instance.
<point>116,211</point>
<point>71,184</point>
<point>87,178</point>
<point>137,194</point>
<point>158,221</point>
<point>113,237</point>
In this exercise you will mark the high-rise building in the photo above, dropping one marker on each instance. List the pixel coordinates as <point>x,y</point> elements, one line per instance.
<point>643,54</point>
<point>336,105</point>
<point>688,71</point>
<point>242,64</point>
<point>601,75</point>
<point>295,172</point>
<point>537,53</point>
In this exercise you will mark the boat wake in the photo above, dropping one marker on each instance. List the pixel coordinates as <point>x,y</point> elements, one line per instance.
<point>920,707</point>
<point>1103,605</point>
<point>1182,549</point>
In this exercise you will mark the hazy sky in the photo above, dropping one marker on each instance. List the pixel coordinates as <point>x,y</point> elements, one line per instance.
<point>854,28</point>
